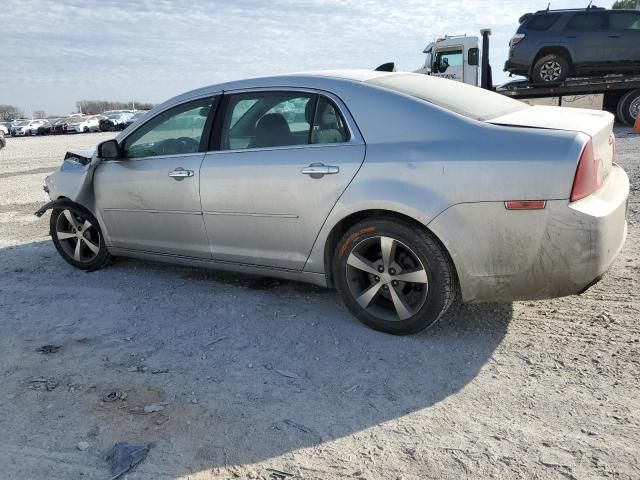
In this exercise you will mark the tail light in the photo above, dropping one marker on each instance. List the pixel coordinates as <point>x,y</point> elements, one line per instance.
<point>516,39</point>
<point>588,175</point>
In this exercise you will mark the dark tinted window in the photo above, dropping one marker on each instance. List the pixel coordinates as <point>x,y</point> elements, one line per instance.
<point>542,22</point>
<point>586,21</point>
<point>624,21</point>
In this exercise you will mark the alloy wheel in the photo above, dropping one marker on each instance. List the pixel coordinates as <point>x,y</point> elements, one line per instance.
<point>634,108</point>
<point>550,71</point>
<point>78,237</point>
<point>387,278</point>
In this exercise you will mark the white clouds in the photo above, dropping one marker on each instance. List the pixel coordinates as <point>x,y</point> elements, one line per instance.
<point>58,52</point>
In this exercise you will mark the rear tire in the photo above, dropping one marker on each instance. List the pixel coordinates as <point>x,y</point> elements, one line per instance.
<point>628,107</point>
<point>550,69</point>
<point>393,276</point>
<point>78,238</point>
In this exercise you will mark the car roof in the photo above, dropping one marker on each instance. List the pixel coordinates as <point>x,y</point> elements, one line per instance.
<point>313,79</point>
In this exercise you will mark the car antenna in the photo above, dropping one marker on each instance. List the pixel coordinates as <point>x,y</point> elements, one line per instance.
<point>589,6</point>
<point>548,5</point>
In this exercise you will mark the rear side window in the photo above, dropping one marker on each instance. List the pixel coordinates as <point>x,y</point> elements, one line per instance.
<point>542,22</point>
<point>328,124</point>
<point>586,21</point>
<point>624,21</point>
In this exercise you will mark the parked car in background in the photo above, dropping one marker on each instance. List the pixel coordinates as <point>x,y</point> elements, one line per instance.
<point>84,124</point>
<point>295,196</point>
<point>59,126</point>
<point>114,121</point>
<point>45,128</point>
<point>5,127</point>
<point>27,127</point>
<point>551,45</point>
<point>136,116</point>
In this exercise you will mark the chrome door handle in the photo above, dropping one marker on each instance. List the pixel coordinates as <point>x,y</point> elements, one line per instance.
<point>180,173</point>
<point>320,169</point>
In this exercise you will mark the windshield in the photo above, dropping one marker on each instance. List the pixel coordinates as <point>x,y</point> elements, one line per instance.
<point>472,102</point>
<point>22,124</point>
<point>114,117</point>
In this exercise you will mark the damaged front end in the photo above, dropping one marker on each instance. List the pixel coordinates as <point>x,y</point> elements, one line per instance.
<point>72,182</point>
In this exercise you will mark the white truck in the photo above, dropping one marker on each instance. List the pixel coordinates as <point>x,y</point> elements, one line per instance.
<point>459,58</point>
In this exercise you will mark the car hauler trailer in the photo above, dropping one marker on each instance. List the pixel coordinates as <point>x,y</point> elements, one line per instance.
<point>458,58</point>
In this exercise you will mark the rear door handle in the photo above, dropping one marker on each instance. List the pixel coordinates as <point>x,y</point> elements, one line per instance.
<point>320,169</point>
<point>180,173</point>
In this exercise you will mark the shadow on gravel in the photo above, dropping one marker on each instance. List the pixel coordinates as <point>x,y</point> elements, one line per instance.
<point>251,368</point>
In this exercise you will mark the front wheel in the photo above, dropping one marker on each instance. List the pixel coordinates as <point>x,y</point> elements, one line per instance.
<point>550,69</point>
<point>393,276</point>
<point>77,236</point>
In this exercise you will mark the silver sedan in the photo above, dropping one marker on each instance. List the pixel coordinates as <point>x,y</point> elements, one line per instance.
<point>402,191</point>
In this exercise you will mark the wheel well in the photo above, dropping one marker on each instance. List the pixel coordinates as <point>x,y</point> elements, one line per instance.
<point>562,51</point>
<point>346,223</point>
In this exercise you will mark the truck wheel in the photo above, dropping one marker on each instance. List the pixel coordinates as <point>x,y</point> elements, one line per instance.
<point>393,276</point>
<point>550,69</point>
<point>628,107</point>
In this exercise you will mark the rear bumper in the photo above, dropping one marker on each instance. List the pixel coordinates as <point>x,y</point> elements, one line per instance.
<point>535,254</point>
<point>516,68</point>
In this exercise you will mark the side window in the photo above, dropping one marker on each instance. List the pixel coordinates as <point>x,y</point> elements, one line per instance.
<point>542,22</point>
<point>267,119</point>
<point>586,21</point>
<point>624,21</point>
<point>176,131</point>
<point>328,124</point>
<point>450,58</point>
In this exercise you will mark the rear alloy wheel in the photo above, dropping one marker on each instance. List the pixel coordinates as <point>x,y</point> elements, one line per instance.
<point>628,108</point>
<point>78,238</point>
<point>393,276</point>
<point>550,69</point>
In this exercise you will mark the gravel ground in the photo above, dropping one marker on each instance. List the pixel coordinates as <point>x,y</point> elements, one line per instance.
<point>257,374</point>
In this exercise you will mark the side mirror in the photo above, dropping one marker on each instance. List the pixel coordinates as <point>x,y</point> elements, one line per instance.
<point>109,150</point>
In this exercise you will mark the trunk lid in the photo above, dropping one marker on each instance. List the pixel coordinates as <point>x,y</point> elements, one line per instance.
<point>595,123</point>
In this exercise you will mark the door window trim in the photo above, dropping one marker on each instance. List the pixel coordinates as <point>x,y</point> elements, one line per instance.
<point>355,137</point>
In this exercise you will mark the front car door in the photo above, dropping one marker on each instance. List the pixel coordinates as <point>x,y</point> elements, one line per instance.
<point>149,200</point>
<point>283,159</point>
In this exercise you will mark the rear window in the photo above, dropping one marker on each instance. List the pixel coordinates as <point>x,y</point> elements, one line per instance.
<point>586,21</point>
<point>542,22</point>
<point>472,102</point>
<point>624,21</point>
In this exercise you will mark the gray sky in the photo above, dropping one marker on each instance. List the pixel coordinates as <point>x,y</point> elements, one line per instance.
<point>56,52</point>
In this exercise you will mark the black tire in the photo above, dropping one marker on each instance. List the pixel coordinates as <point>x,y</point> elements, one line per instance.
<point>426,301</point>
<point>88,259</point>
<point>628,107</point>
<point>550,69</point>
<point>85,130</point>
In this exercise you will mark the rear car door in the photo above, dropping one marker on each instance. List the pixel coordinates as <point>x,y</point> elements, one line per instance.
<point>283,159</point>
<point>586,37</point>
<point>149,200</point>
<point>624,37</point>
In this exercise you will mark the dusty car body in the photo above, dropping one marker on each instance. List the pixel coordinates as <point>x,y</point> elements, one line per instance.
<point>512,201</point>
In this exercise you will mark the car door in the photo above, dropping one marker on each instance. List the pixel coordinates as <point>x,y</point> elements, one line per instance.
<point>624,37</point>
<point>586,38</point>
<point>274,179</point>
<point>449,63</point>
<point>149,199</point>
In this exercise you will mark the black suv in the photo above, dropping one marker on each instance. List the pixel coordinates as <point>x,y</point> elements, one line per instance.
<point>551,45</point>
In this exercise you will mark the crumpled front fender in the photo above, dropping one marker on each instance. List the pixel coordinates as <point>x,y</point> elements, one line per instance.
<point>61,203</point>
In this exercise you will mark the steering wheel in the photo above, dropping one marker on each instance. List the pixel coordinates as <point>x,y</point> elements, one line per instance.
<point>172,146</point>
